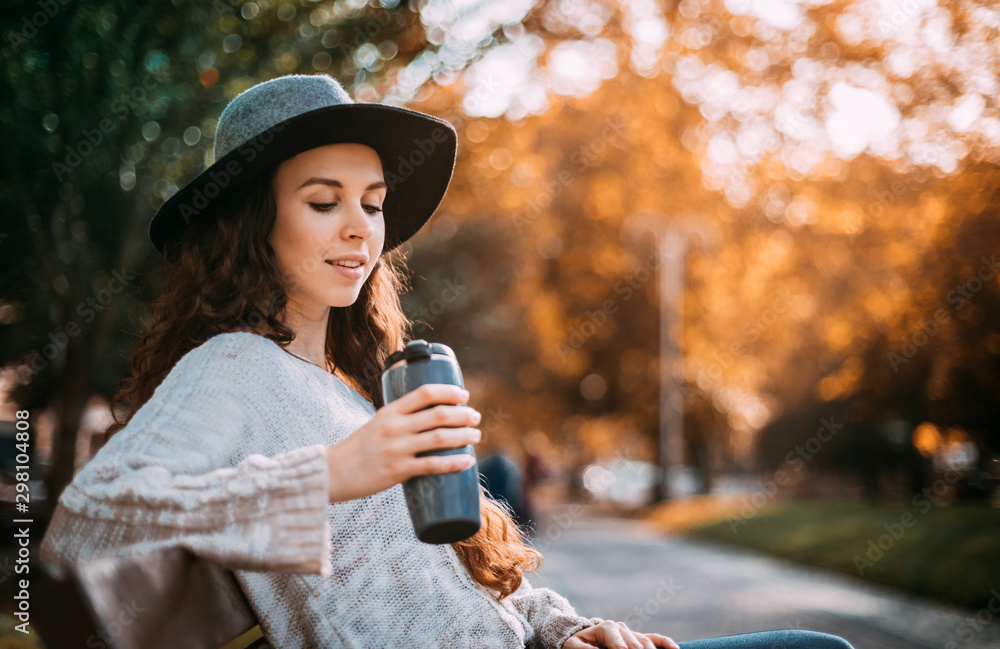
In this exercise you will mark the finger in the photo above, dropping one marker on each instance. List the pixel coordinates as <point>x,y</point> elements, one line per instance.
<point>632,639</point>
<point>442,416</point>
<point>575,642</point>
<point>440,438</point>
<point>662,641</point>
<point>647,642</point>
<point>612,636</point>
<point>438,464</point>
<point>578,643</point>
<point>644,641</point>
<point>427,395</point>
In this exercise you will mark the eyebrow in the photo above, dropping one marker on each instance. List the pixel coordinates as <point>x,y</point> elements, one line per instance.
<point>336,183</point>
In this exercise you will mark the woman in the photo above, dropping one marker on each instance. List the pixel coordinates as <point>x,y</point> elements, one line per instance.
<point>255,433</point>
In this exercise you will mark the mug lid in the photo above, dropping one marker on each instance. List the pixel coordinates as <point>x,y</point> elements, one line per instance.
<point>418,350</point>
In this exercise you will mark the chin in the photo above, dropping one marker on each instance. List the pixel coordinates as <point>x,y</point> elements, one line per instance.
<point>340,301</point>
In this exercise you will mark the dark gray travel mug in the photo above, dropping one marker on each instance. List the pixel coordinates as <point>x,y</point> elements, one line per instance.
<point>444,508</point>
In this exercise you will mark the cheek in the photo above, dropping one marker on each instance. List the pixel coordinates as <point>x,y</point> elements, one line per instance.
<point>293,233</point>
<point>286,241</point>
<point>379,234</point>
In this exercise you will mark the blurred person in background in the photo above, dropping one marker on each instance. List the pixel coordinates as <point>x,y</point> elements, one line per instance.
<point>504,482</point>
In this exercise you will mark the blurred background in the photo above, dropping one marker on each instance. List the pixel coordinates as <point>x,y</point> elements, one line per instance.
<point>726,270</point>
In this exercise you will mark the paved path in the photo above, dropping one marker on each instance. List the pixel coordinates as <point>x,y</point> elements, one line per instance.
<point>623,570</point>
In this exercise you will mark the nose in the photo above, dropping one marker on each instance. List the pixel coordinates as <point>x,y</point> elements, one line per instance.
<point>357,223</point>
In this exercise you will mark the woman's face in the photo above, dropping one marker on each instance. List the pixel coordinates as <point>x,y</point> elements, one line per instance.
<point>329,208</point>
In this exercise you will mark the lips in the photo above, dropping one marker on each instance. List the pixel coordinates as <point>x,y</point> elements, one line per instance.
<point>360,258</point>
<point>353,274</point>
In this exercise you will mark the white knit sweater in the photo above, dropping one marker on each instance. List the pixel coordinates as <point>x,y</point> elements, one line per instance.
<point>228,460</point>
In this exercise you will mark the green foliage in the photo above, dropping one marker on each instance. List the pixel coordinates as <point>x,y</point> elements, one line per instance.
<point>948,553</point>
<point>12,639</point>
<point>106,108</point>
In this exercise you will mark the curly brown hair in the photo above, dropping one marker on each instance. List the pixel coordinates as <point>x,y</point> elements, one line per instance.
<point>220,276</point>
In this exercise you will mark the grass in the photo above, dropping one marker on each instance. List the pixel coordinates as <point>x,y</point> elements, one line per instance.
<point>948,553</point>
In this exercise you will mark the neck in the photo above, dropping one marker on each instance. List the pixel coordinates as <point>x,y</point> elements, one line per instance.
<point>310,341</point>
<point>310,334</point>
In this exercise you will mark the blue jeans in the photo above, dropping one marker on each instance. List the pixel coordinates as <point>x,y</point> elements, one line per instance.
<point>780,639</point>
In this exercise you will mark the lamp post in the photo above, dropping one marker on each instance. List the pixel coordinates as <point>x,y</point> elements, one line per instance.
<point>672,236</point>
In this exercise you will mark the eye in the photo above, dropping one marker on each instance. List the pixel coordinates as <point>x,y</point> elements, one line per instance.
<point>326,207</point>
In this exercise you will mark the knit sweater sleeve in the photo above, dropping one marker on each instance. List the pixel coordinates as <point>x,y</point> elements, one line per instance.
<point>170,478</point>
<point>552,617</point>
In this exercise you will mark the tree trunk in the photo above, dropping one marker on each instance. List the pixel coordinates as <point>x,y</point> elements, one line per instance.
<point>71,400</point>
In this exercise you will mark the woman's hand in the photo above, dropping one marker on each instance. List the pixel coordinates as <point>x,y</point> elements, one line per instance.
<point>382,453</point>
<point>616,635</point>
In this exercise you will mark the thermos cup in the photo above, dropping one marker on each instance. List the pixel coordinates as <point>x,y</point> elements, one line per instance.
<point>444,508</point>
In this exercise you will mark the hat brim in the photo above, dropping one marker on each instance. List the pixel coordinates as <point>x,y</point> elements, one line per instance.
<point>417,151</point>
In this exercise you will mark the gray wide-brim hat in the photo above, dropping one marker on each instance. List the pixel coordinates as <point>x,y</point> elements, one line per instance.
<point>280,118</point>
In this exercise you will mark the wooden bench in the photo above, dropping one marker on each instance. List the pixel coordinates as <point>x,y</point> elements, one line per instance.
<point>160,600</point>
